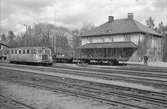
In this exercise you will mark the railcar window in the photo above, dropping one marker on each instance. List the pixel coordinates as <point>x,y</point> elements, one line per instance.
<point>47,51</point>
<point>33,51</point>
<point>15,51</point>
<point>11,51</point>
<point>19,51</point>
<point>28,51</point>
<point>24,51</point>
<point>39,51</point>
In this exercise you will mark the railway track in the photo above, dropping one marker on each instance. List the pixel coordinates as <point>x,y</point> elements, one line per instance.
<point>105,75</point>
<point>15,103</point>
<point>135,72</point>
<point>137,68</point>
<point>129,70</point>
<point>87,92</point>
<point>120,93</point>
<point>134,86</point>
<point>110,71</point>
<point>159,82</point>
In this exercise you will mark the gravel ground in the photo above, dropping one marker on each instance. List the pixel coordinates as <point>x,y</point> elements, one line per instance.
<point>42,99</point>
<point>153,64</point>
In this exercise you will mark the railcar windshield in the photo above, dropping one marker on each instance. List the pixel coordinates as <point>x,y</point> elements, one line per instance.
<point>47,51</point>
<point>33,51</point>
<point>40,51</point>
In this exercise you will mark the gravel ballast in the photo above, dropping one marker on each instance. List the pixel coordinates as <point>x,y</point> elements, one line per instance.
<point>43,99</point>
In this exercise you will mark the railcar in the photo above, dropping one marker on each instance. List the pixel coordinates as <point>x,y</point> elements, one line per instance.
<point>30,55</point>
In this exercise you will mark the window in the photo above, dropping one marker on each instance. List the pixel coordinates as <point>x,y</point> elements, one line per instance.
<point>6,52</point>
<point>40,51</point>
<point>11,51</point>
<point>19,51</point>
<point>24,51</point>
<point>33,51</point>
<point>112,39</point>
<point>28,51</point>
<point>47,51</point>
<point>102,39</point>
<point>15,51</point>
<point>90,40</point>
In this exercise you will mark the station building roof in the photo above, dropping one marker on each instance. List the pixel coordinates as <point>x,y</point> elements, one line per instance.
<point>125,44</point>
<point>121,26</point>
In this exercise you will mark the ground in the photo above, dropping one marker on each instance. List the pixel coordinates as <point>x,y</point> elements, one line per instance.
<point>42,99</point>
<point>153,64</point>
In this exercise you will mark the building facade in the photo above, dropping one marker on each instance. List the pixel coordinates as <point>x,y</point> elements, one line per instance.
<point>119,31</point>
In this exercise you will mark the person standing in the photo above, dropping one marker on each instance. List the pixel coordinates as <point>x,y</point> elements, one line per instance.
<point>145,60</point>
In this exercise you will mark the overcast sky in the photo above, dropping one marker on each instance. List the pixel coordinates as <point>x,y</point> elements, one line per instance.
<point>76,13</point>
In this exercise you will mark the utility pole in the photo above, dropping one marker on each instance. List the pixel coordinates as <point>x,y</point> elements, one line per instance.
<point>53,46</point>
<point>26,26</point>
<point>55,42</point>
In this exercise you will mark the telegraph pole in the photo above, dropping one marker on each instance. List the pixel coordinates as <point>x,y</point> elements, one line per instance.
<point>26,34</point>
<point>53,45</point>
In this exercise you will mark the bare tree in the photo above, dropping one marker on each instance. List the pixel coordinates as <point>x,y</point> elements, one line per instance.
<point>164,42</point>
<point>3,37</point>
<point>76,43</point>
<point>150,22</point>
<point>11,39</point>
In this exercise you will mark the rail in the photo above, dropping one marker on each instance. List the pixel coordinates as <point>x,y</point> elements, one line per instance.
<point>17,102</point>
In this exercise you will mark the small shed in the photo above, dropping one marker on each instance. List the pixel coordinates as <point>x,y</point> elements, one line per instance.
<point>3,51</point>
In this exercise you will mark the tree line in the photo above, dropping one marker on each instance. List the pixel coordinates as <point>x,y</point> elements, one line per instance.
<point>162,29</point>
<point>60,40</point>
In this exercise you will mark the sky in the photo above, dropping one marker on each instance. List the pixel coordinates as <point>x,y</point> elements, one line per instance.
<point>74,14</point>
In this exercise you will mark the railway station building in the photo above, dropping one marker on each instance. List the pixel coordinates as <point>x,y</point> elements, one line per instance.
<point>123,39</point>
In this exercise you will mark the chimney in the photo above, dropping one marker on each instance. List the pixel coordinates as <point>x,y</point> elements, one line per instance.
<point>130,16</point>
<point>110,19</point>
